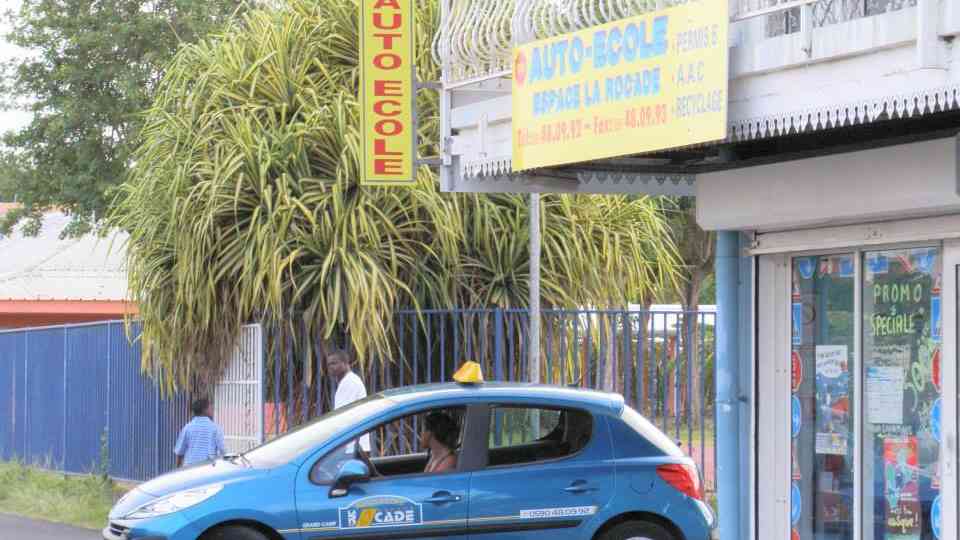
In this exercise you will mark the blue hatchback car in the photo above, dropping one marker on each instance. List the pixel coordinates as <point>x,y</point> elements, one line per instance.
<point>525,462</point>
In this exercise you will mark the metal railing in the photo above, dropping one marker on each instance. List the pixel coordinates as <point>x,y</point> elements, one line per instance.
<point>74,398</point>
<point>476,37</point>
<point>785,16</point>
<point>660,361</point>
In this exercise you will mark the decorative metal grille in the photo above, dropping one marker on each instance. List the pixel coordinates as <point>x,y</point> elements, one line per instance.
<point>826,12</point>
<point>238,399</point>
<point>476,36</point>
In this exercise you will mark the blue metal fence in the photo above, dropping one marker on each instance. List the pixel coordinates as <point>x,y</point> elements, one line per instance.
<point>74,399</point>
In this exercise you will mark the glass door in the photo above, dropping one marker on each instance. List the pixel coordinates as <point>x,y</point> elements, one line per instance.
<point>902,360</point>
<point>866,386</point>
<point>822,384</point>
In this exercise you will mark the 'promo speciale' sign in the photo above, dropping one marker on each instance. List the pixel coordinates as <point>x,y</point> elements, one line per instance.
<point>387,93</point>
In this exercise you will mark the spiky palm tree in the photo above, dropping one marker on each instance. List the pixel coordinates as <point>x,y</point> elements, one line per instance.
<point>244,205</point>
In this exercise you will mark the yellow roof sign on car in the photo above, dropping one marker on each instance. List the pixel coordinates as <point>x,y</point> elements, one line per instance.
<point>469,373</point>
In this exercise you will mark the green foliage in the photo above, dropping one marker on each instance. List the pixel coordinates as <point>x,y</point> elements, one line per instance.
<point>83,501</point>
<point>92,67</point>
<point>103,465</point>
<point>9,167</point>
<point>708,294</point>
<point>244,204</point>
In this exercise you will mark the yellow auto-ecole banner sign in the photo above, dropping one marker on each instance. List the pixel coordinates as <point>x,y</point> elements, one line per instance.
<point>641,84</point>
<point>387,93</point>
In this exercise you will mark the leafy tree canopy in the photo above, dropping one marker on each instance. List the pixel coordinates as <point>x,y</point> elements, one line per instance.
<point>244,205</point>
<point>92,67</point>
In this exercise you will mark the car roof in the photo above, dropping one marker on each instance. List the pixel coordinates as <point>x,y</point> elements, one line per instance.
<point>495,391</point>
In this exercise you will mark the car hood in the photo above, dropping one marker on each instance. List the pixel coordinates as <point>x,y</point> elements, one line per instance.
<point>217,472</point>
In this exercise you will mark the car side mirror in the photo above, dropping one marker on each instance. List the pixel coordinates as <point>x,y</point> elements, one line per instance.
<point>351,472</point>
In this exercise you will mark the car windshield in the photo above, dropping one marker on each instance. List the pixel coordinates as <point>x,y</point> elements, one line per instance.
<point>287,447</point>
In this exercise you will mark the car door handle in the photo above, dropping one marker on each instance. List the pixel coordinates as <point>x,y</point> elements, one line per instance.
<point>580,486</point>
<point>443,498</point>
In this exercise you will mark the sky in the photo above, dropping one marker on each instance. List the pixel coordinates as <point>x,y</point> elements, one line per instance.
<point>10,119</point>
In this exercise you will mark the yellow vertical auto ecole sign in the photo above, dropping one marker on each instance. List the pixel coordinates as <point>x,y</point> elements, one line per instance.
<point>387,93</point>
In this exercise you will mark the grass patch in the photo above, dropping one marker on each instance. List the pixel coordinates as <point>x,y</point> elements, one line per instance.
<point>82,501</point>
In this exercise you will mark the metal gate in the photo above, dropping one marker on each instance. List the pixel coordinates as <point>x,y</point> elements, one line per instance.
<point>238,397</point>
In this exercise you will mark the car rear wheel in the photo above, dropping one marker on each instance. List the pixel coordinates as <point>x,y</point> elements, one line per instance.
<point>638,530</point>
<point>234,532</point>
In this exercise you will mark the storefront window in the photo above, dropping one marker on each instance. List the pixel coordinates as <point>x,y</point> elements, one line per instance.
<point>822,398</point>
<point>901,394</point>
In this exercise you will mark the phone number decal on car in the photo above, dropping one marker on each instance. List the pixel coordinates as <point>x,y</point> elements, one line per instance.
<point>558,512</point>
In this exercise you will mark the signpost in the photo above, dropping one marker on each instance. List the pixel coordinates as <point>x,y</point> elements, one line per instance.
<point>387,93</point>
<point>641,84</point>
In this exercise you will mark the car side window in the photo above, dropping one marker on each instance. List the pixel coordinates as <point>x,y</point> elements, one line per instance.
<point>521,435</point>
<point>395,447</point>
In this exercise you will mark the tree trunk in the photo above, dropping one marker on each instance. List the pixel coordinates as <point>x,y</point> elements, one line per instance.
<point>691,342</point>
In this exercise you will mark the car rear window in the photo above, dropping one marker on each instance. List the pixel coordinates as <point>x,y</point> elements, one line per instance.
<point>520,434</point>
<point>650,432</point>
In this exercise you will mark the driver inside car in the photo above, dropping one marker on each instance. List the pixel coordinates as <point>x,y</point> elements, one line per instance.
<point>439,437</point>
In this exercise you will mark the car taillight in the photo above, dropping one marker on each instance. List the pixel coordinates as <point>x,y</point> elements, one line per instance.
<point>683,478</point>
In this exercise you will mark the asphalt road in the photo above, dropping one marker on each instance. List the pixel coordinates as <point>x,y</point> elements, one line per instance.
<point>17,528</point>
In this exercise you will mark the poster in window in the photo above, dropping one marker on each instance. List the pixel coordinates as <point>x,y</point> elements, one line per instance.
<point>935,517</point>
<point>796,474</point>
<point>796,371</point>
<point>935,376</point>
<point>935,414</point>
<point>901,488</point>
<point>925,260</point>
<point>796,417</point>
<point>935,318</point>
<point>797,324</point>
<point>807,266</point>
<point>878,263</point>
<point>885,386</point>
<point>833,401</point>
<point>796,503</point>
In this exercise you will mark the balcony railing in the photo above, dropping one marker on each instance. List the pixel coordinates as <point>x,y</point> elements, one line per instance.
<point>476,36</point>
<point>784,16</point>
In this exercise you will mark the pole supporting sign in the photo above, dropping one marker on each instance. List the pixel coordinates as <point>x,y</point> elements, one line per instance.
<point>640,84</point>
<point>387,93</point>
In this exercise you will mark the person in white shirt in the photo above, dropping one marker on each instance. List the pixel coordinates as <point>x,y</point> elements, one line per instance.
<point>350,387</point>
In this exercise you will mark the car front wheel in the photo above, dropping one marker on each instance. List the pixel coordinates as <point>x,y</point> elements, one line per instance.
<point>638,530</point>
<point>234,532</point>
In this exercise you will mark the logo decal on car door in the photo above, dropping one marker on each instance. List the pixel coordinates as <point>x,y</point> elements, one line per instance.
<point>381,511</point>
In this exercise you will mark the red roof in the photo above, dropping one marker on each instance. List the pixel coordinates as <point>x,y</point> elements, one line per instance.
<point>6,207</point>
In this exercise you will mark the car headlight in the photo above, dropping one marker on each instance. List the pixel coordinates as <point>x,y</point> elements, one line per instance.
<point>174,503</point>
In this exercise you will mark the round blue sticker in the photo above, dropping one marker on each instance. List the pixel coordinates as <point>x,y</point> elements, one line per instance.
<point>935,420</point>
<point>925,261</point>
<point>935,517</point>
<point>807,266</point>
<point>796,504</point>
<point>796,418</point>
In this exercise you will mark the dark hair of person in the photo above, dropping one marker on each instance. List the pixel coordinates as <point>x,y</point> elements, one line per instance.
<point>444,428</point>
<point>342,354</point>
<point>199,406</point>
